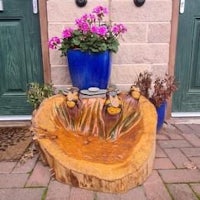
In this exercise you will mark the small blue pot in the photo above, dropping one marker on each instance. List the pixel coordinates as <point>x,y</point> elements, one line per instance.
<point>89,69</point>
<point>161,115</point>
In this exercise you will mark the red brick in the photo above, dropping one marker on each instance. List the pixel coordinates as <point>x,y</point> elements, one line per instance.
<point>195,128</point>
<point>196,161</point>
<point>163,163</point>
<point>40,176</point>
<point>22,194</point>
<point>196,188</point>
<point>161,136</point>
<point>57,191</point>
<point>177,157</point>
<point>191,151</point>
<point>81,194</point>
<point>193,139</point>
<point>174,144</point>
<point>170,130</point>
<point>137,193</point>
<point>180,175</point>
<point>184,128</point>
<point>181,192</point>
<point>6,167</point>
<point>159,152</point>
<point>155,189</point>
<point>13,180</point>
<point>173,133</point>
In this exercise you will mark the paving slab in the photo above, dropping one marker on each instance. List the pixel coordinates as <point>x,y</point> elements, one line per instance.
<point>161,136</point>
<point>22,194</point>
<point>155,188</point>
<point>174,144</point>
<point>7,167</point>
<point>81,194</point>
<point>163,163</point>
<point>107,196</point>
<point>58,191</point>
<point>190,152</point>
<point>27,166</point>
<point>159,152</point>
<point>195,128</point>
<point>180,175</point>
<point>174,136</point>
<point>181,192</point>
<point>196,161</point>
<point>13,180</point>
<point>136,193</point>
<point>184,128</point>
<point>192,139</point>
<point>196,188</point>
<point>177,157</point>
<point>39,177</point>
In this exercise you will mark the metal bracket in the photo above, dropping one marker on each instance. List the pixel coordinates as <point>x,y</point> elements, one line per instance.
<point>182,6</point>
<point>35,6</point>
<point>1,5</point>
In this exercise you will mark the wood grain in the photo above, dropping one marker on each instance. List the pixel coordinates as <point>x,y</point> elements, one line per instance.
<point>98,164</point>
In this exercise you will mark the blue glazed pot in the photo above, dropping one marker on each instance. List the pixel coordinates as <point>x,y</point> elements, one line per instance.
<point>161,115</point>
<point>89,69</point>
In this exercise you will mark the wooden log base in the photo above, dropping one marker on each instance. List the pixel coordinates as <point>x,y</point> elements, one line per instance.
<point>91,162</point>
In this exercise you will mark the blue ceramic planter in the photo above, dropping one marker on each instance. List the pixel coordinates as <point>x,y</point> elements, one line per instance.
<point>89,69</point>
<point>161,115</point>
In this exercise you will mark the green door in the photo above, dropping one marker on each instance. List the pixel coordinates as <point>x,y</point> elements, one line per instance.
<point>20,55</point>
<point>187,68</point>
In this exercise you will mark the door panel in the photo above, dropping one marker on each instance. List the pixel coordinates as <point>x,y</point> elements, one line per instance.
<point>187,69</point>
<point>20,55</point>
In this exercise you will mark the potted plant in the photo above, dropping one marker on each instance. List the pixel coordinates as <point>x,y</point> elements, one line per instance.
<point>36,93</point>
<point>88,48</point>
<point>158,92</point>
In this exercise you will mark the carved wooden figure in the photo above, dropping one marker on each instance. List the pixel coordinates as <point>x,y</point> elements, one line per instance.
<point>103,144</point>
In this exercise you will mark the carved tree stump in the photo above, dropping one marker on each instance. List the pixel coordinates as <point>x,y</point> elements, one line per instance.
<point>90,162</point>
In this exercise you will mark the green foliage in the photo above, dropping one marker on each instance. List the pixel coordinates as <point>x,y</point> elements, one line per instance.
<point>89,42</point>
<point>36,93</point>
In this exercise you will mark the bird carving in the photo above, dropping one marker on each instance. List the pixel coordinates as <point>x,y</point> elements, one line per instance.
<point>113,103</point>
<point>135,92</point>
<point>72,97</point>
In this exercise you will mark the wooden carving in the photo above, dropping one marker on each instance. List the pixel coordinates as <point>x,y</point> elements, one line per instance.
<point>104,144</point>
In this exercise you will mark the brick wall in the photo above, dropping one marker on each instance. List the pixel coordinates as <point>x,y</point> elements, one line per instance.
<point>144,47</point>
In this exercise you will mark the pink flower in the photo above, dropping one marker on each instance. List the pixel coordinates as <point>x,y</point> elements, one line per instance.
<point>83,23</point>
<point>94,29</point>
<point>102,30</point>
<point>67,33</point>
<point>115,30</point>
<point>99,10</point>
<point>85,27</point>
<point>91,18</point>
<point>53,42</point>
<point>122,28</point>
<point>118,28</point>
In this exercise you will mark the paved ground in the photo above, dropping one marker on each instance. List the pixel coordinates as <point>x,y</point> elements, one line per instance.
<point>176,174</point>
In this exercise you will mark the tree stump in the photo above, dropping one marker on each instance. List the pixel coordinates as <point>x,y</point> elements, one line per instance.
<point>92,162</point>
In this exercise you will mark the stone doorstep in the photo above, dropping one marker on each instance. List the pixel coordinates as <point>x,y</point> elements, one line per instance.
<point>15,123</point>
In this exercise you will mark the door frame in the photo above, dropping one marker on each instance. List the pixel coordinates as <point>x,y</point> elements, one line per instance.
<point>172,46</point>
<point>42,5</point>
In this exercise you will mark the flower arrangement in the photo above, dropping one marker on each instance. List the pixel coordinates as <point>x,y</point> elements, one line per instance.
<point>162,90</point>
<point>92,34</point>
